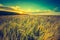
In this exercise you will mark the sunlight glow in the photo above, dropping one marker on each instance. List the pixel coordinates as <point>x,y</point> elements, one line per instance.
<point>29,11</point>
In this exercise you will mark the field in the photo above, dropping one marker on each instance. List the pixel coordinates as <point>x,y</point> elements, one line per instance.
<point>30,27</point>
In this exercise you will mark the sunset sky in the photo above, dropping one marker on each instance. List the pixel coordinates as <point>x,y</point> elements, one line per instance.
<point>33,5</point>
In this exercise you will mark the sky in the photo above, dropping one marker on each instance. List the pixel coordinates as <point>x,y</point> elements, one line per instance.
<point>34,5</point>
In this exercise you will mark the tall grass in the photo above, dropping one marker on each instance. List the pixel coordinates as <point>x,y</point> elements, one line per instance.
<point>29,27</point>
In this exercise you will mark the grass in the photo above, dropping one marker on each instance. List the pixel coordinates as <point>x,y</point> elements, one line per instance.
<point>29,27</point>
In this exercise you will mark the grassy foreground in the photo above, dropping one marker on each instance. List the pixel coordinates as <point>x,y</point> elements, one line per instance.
<point>29,27</point>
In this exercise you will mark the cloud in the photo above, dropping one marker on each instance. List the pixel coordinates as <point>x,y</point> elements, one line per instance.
<point>57,9</point>
<point>1,4</point>
<point>11,9</point>
<point>18,9</point>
